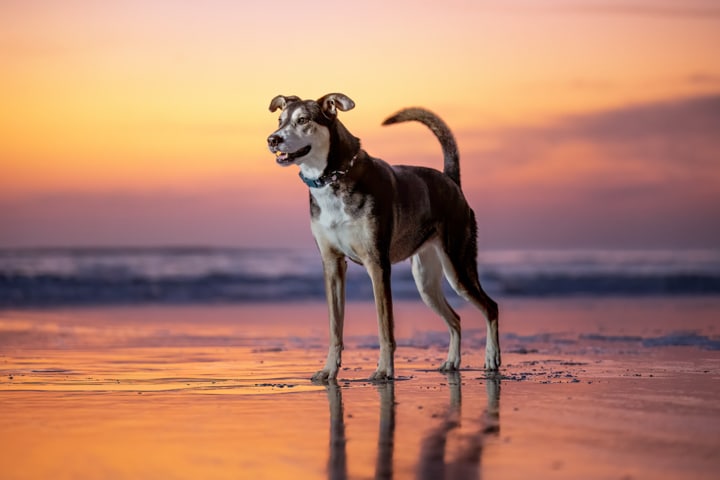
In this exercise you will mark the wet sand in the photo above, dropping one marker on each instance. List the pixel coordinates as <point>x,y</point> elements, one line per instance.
<point>617,389</point>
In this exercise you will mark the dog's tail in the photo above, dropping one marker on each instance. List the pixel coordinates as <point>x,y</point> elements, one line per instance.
<point>441,131</point>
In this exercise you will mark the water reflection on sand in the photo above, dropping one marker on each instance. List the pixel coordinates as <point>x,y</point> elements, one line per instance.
<point>590,390</point>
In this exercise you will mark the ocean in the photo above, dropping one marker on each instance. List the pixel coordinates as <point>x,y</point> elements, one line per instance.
<point>47,277</point>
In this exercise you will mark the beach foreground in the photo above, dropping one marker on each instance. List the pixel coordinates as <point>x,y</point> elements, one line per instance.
<point>590,388</point>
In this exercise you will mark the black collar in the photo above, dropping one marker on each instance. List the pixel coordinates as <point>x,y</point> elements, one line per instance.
<point>328,178</point>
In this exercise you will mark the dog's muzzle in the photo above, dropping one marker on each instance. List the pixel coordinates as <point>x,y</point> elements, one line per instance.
<point>285,158</point>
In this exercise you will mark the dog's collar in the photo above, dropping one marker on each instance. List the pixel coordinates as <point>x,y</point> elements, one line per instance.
<point>328,178</point>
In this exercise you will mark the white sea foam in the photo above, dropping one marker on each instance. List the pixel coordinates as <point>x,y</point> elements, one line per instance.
<point>32,277</point>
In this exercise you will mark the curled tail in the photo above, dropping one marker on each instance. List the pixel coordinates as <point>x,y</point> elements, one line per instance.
<point>451,167</point>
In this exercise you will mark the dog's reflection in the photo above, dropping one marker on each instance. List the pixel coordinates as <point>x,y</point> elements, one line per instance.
<point>434,462</point>
<point>337,462</point>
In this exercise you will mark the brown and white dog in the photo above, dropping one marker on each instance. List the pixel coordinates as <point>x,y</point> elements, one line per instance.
<point>376,215</point>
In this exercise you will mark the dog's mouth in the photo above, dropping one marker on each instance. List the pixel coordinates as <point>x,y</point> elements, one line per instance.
<point>285,158</point>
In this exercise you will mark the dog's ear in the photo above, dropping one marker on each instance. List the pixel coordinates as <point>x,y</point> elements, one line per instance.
<point>282,101</point>
<point>332,102</point>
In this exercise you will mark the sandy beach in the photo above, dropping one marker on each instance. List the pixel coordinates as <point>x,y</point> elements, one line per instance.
<point>590,388</point>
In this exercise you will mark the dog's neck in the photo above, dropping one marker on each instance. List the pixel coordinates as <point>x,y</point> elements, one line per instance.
<point>343,151</point>
<point>328,177</point>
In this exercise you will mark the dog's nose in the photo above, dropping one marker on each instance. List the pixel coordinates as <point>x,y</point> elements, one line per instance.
<point>274,140</point>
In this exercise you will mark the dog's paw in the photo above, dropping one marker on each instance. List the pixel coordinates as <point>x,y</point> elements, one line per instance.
<point>381,376</point>
<point>449,366</point>
<point>324,376</point>
<point>492,360</point>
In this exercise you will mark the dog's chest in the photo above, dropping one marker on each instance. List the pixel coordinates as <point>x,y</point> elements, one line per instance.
<point>332,220</point>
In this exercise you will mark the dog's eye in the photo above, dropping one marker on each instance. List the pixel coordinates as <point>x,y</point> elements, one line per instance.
<point>303,120</point>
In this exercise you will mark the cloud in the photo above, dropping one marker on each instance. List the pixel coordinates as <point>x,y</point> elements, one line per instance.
<point>640,175</point>
<point>224,217</point>
<point>668,134</point>
<point>703,78</point>
<point>691,12</point>
<point>697,10</point>
<point>698,116</point>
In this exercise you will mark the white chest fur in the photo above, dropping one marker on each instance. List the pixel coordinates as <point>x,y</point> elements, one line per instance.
<point>332,208</point>
<point>333,222</point>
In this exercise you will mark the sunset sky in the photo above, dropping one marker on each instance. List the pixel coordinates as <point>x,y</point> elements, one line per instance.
<point>580,123</point>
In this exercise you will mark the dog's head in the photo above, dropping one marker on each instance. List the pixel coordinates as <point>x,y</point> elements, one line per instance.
<point>303,137</point>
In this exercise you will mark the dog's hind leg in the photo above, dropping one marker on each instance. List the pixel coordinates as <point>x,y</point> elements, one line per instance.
<point>427,271</point>
<point>334,268</point>
<point>460,268</point>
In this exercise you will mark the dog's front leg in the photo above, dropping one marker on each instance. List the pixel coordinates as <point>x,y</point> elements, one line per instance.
<point>334,267</point>
<point>380,276</point>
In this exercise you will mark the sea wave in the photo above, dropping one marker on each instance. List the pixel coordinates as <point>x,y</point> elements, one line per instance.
<point>48,277</point>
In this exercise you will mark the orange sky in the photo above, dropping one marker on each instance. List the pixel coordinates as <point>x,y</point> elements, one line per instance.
<point>145,122</point>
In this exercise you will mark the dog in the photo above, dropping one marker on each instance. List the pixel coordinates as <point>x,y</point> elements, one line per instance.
<point>376,214</point>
